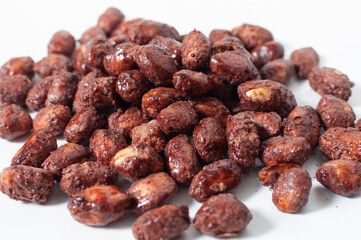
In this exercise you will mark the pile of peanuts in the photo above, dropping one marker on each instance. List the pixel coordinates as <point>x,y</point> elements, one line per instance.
<point>136,99</point>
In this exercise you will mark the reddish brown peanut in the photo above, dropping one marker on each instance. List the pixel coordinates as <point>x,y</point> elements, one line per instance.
<point>358,124</point>
<point>330,81</point>
<point>304,60</point>
<point>80,176</point>
<point>91,33</point>
<point>222,89</point>
<point>222,216</point>
<point>335,112</point>
<point>195,50</point>
<point>169,45</point>
<point>110,19</point>
<point>61,42</point>
<point>266,52</point>
<point>98,205</point>
<point>151,192</point>
<point>15,122</point>
<point>36,149</point>
<point>279,70</point>
<point>218,34</point>
<point>36,97</point>
<point>26,183</point>
<point>227,44</point>
<point>182,160</point>
<point>95,51</point>
<point>64,156</point>
<point>62,89</point>
<point>210,140</point>
<point>105,143</point>
<point>149,134</point>
<point>277,150</point>
<point>14,89</point>
<point>103,94</point>
<point>341,176</point>
<point>291,191</point>
<point>137,161</point>
<point>122,29</point>
<point>252,35</point>
<point>18,65</point>
<point>303,122</point>
<point>53,118</point>
<point>165,222</point>
<point>341,143</point>
<point>191,84</point>
<point>53,62</point>
<point>215,178</point>
<point>268,175</point>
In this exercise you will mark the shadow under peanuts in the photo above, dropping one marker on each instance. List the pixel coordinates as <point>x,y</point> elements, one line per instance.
<point>181,197</point>
<point>126,221</point>
<point>258,226</point>
<point>249,185</point>
<point>320,198</point>
<point>190,233</point>
<point>57,197</point>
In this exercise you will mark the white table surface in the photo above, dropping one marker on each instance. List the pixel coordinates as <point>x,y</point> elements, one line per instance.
<point>331,27</point>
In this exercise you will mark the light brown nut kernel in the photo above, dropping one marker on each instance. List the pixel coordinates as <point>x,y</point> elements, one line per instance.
<point>268,175</point>
<point>26,183</point>
<point>62,42</point>
<point>222,216</point>
<point>304,60</point>
<point>279,70</point>
<point>151,192</point>
<point>341,176</point>
<point>195,50</point>
<point>252,35</point>
<point>18,65</point>
<point>149,134</point>
<point>215,178</point>
<point>15,122</point>
<point>98,205</point>
<point>291,191</point>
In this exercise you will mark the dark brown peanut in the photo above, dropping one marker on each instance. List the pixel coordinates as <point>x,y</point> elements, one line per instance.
<point>36,149</point>
<point>156,64</point>
<point>36,97</point>
<point>266,52</point>
<point>62,42</point>
<point>227,44</point>
<point>82,98</point>
<point>303,122</point>
<point>151,192</point>
<point>179,117</point>
<point>131,86</point>
<point>15,122</point>
<point>110,19</point>
<point>211,107</point>
<point>125,122</point>
<point>268,123</point>
<point>268,175</point>
<point>278,150</point>
<point>149,134</point>
<point>243,142</point>
<point>222,216</point>
<point>92,33</point>
<point>95,51</point>
<point>291,191</point>
<point>335,112</point>
<point>330,81</point>
<point>266,96</point>
<point>341,143</point>
<point>18,65</point>
<point>195,50</point>
<point>210,140</point>
<point>82,125</point>
<point>64,156</point>
<point>169,45</point>
<point>222,89</point>
<point>114,41</point>
<point>14,89</point>
<point>80,176</point>
<point>157,99</point>
<point>120,59</point>
<point>358,124</point>
<point>304,60</point>
<point>341,176</point>
<point>165,223</point>
<point>53,118</point>
<point>62,89</point>
<point>191,84</point>
<point>182,160</point>
<point>103,92</point>
<point>79,60</point>
<point>104,144</point>
<point>279,70</point>
<point>137,161</point>
<point>252,35</point>
<point>98,205</point>
<point>218,34</point>
<point>53,62</point>
<point>143,31</point>
<point>26,183</point>
<point>215,178</point>
<point>235,66</point>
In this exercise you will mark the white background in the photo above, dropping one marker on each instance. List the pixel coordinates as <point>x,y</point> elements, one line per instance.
<point>331,27</point>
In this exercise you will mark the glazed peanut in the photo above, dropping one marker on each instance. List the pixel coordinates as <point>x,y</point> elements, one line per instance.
<point>103,94</point>
<point>98,205</point>
<point>95,51</point>
<point>279,70</point>
<point>61,42</point>
<point>358,124</point>
<point>169,45</point>
<point>304,60</point>
<point>263,53</point>
<point>37,95</point>
<point>218,34</point>
<point>62,89</point>
<point>53,62</point>
<point>252,35</point>
<point>92,33</point>
<point>15,122</point>
<point>64,156</point>
<point>149,134</point>
<point>222,89</point>
<point>123,28</point>
<point>36,149</point>
<point>14,89</point>
<point>227,44</point>
<point>151,192</point>
<point>18,65</point>
<point>195,50</point>
<point>291,191</point>
<point>182,160</point>
<point>215,178</point>
<point>222,216</point>
<point>191,84</point>
<point>341,176</point>
<point>110,19</point>
<point>26,183</point>
<point>268,175</point>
